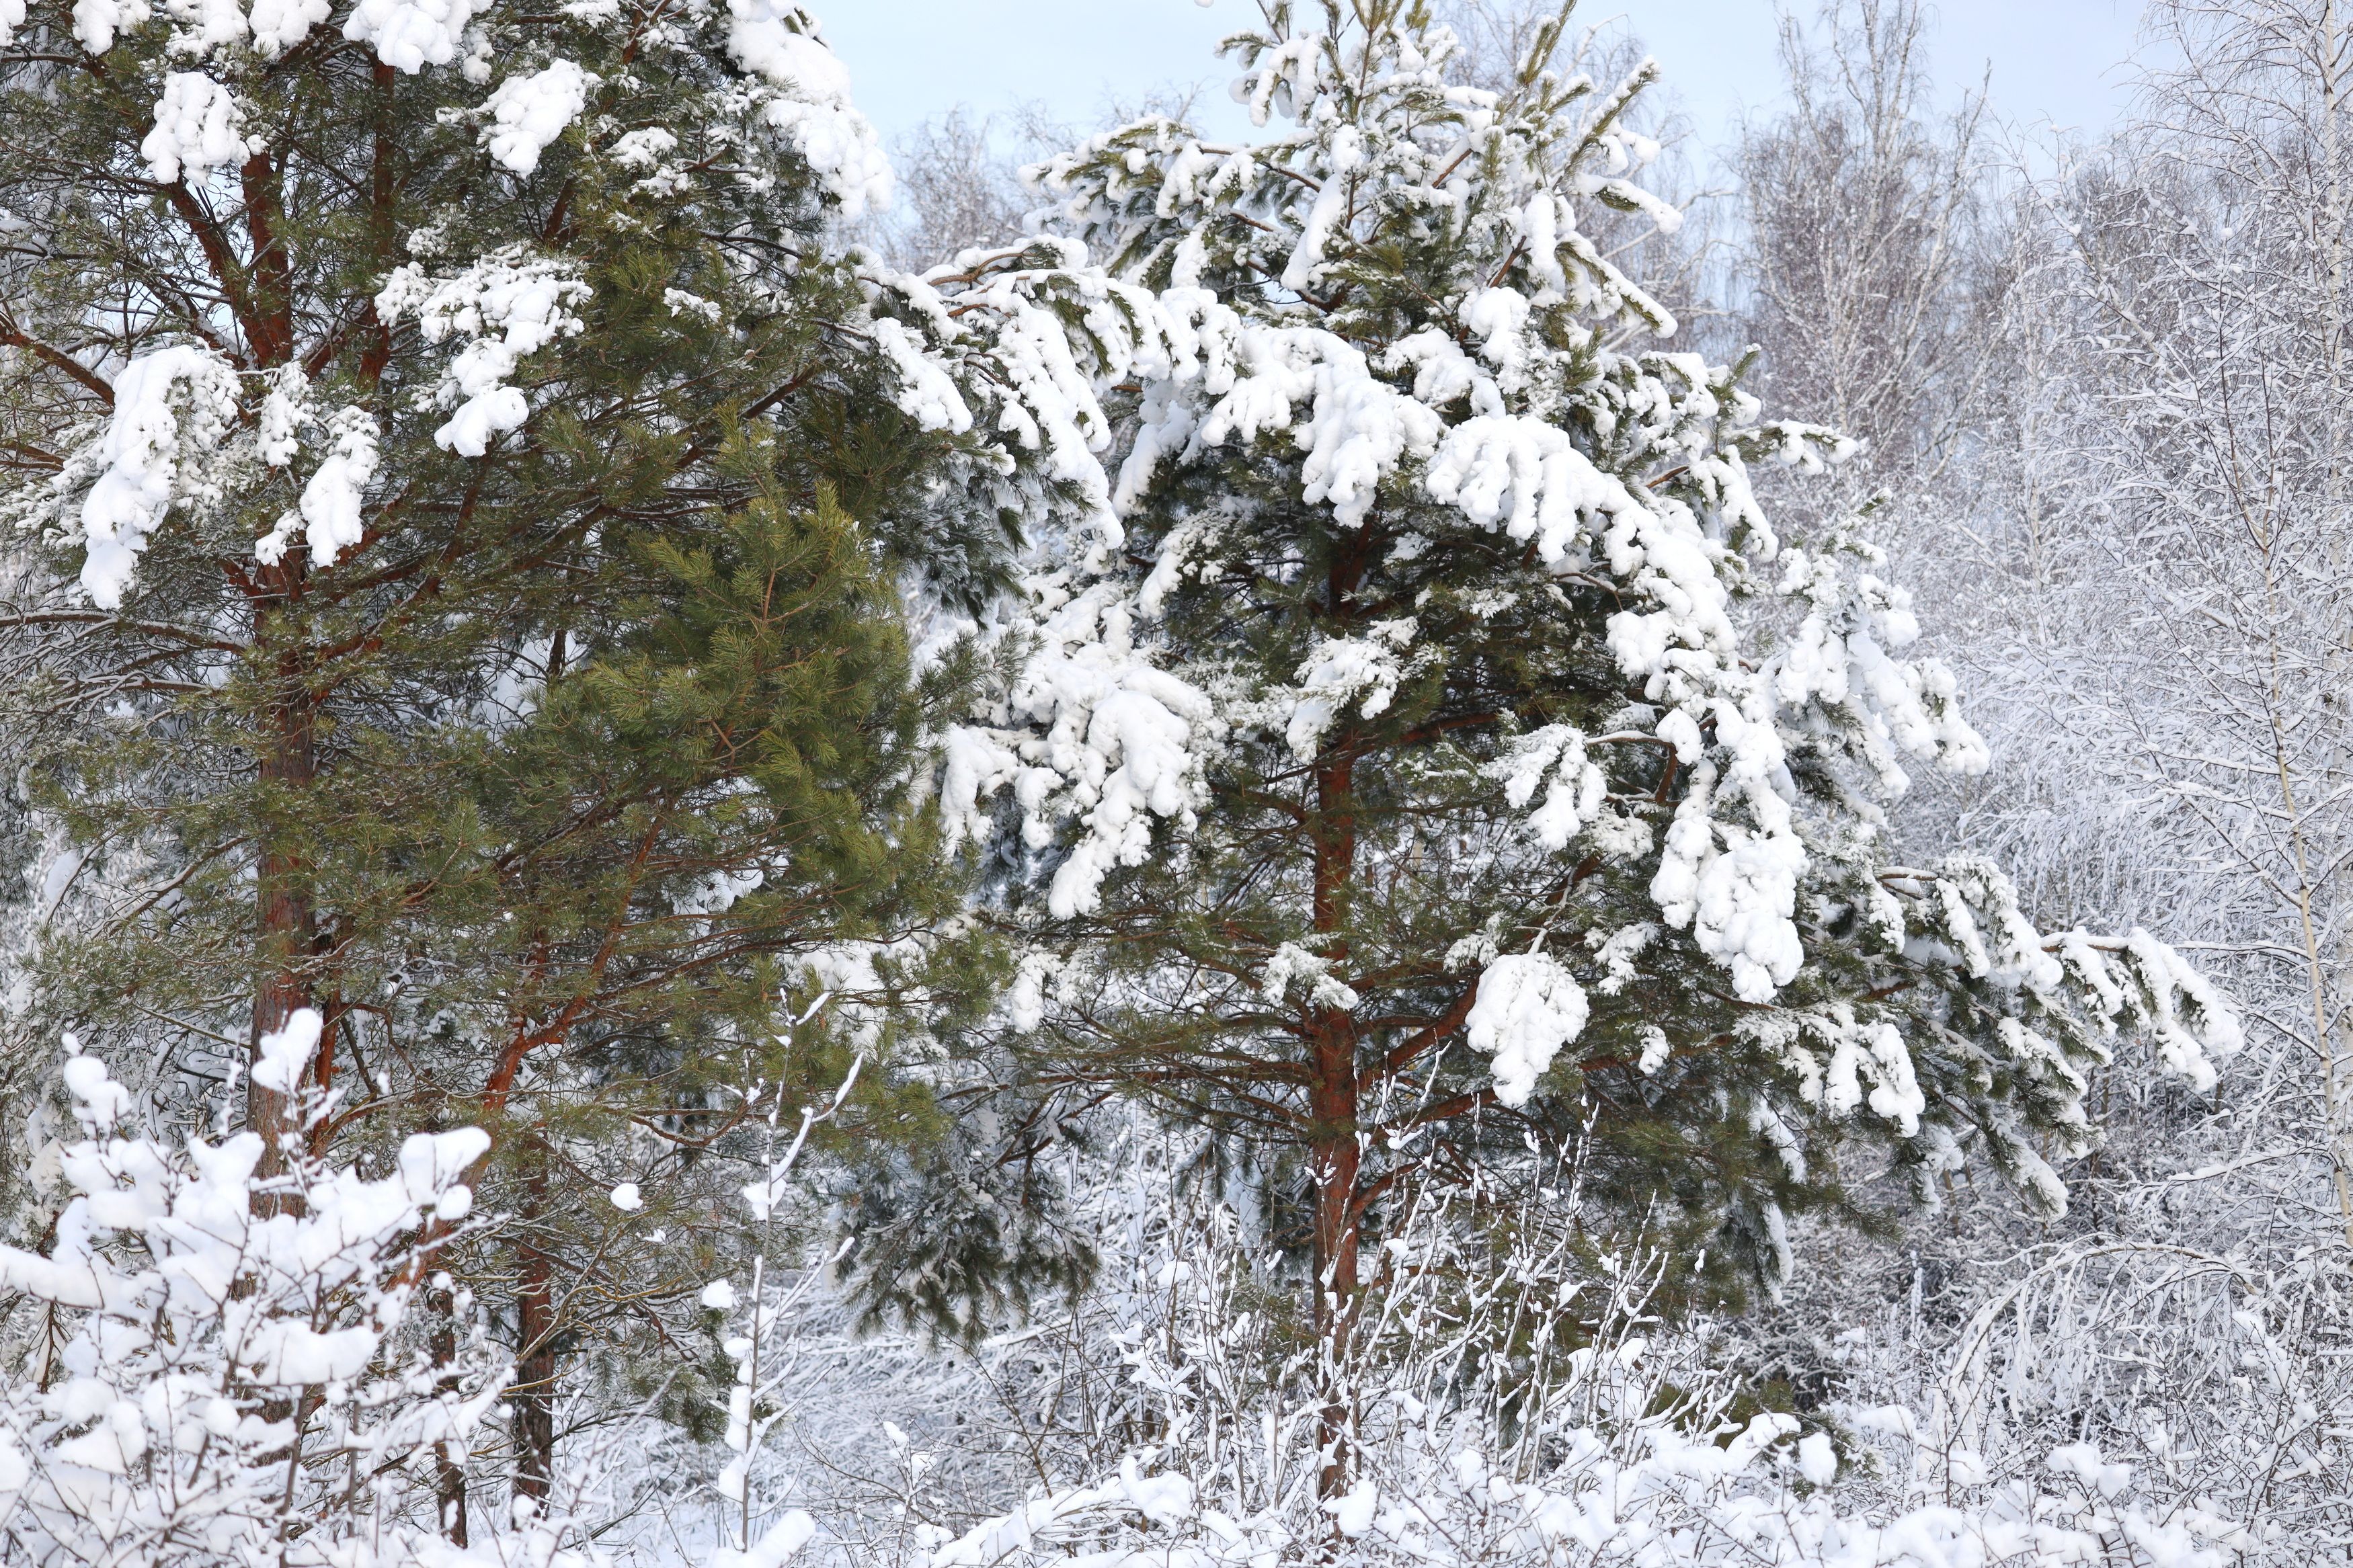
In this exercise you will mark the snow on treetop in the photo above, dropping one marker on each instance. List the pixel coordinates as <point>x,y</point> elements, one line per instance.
<point>779,42</point>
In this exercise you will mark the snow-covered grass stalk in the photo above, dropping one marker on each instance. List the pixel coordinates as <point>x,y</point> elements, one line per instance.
<point>761,1338</point>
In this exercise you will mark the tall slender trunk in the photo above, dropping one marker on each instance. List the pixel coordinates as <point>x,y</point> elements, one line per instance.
<point>286,922</point>
<point>1336,1158</point>
<point>2337,1066</point>
<point>286,919</point>
<point>1336,1155</point>
<point>448,1457</point>
<point>534,1395</point>
<point>381,234</point>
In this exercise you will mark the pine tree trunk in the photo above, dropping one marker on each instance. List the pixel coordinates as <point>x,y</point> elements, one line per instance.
<point>448,1459</point>
<point>286,922</point>
<point>286,926</point>
<point>533,1396</point>
<point>1336,1158</point>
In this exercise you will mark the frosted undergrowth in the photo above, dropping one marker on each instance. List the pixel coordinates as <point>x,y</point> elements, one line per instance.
<point>192,1298</point>
<point>1618,1450</point>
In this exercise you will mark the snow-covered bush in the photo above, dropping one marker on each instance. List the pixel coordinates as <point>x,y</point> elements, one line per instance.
<point>229,1369</point>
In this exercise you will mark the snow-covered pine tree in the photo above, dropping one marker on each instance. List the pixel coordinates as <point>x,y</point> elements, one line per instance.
<point>1439,750</point>
<point>461,489</point>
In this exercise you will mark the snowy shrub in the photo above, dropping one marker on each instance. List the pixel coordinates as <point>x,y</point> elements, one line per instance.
<point>229,1369</point>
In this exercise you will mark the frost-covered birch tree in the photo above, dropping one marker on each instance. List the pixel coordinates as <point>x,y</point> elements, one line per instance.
<point>2215,337</point>
<point>1862,270</point>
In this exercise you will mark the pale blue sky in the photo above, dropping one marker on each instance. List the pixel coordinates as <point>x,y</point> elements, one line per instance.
<point>2052,59</point>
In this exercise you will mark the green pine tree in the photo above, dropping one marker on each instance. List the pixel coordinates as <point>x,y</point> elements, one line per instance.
<point>465,496</point>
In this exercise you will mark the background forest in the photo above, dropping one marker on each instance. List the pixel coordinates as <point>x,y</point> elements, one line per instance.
<point>1455,833</point>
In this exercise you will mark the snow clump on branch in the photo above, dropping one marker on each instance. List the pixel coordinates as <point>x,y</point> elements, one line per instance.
<point>198,128</point>
<point>502,309</point>
<point>779,41</point>
<point>168,404</point>
<point>528,113</point>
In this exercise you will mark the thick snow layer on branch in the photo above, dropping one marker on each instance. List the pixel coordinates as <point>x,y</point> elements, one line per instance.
<point>205,25</point>
<point>927,394</point>
<point>504,307</point>
<point>779,41</point>
<point>166,403</point>
<point>1038,335</point>
<point>1529,1007</point>
<point>409,35</point>
<point>2193,1022</point>
<point>1841,658</point>
<point>1527,478</point>
<point>1861,1050</point>
<point>1107,738</point>
<point>285,409</point>
<point>96,21</point>
<point>1293,968</point>
<point>330,506</point>
<point>529,113</point>
<point>778,1545</point>
<point>1662,552</point>
<point>1736,888</point>
<point>282,1056</point>
<point>280,24</point>
<point>1249,381</point>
